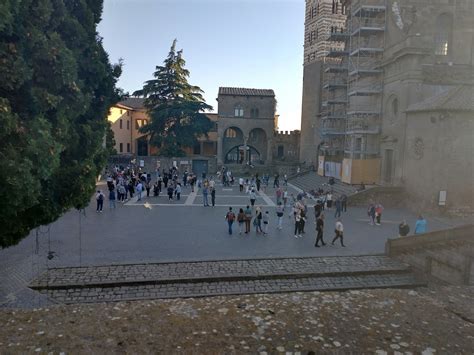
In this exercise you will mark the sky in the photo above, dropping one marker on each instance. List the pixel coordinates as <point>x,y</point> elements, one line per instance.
<point>238,43</point>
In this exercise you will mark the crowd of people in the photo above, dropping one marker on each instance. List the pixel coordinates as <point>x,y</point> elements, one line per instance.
<point>124,184</point>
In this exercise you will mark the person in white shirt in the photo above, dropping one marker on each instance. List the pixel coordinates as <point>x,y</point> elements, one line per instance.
<point>241,184</point>
<point>339,232</point>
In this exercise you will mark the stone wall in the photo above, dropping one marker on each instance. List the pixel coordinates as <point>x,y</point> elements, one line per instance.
<point>446,255</point>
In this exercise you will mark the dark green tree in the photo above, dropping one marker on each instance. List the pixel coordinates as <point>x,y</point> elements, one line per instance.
<point>56,87</point>
<point>174,106</point>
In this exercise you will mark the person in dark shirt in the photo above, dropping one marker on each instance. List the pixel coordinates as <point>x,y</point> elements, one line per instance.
<point>319,230</point>
<point>403,229</point>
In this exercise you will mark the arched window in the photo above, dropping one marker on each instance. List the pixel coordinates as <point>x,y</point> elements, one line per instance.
<point>238,111</point>
<point>230,133</point>
<point>443,34</point>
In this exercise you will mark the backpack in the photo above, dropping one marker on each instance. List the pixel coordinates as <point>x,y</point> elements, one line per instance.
<point>230,216</point>
<point>101,197</point>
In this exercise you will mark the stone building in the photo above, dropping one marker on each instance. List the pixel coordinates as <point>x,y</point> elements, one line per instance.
<point>398,55</point>
<point>246,123</point>
<point>323,17</point>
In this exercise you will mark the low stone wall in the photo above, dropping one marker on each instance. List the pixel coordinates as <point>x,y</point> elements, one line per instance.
<point>387,196</point>
<point>446,255</point>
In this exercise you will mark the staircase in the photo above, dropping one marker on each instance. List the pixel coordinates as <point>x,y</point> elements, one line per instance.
<point>312,181</point>
<point>227,277</point>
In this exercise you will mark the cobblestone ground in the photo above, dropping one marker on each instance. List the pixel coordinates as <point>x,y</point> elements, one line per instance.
<point>391,321</point>
<point>102,275</point>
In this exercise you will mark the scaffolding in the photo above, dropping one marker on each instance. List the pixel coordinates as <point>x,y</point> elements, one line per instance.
<point>366,27</point>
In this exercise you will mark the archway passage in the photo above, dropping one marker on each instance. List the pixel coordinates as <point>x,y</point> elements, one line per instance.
<point>242,154</point>
<point>259,141</point>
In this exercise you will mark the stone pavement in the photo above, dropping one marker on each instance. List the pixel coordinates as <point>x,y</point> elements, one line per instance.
<point>169,231</point>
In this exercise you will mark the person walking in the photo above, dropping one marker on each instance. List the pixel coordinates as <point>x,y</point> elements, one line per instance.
<point>317,209</point>
<point>344,202</point>
<point>420,225</point>
<point>100,200</point>
<point>241,220</point>
<point>319,230</point>
<point>248,218</point>
<point>338,204</point>
<point>329,200</point>
<point>285,198</point>
<point>213,196</point>
<point>339,230</point>
<point>139,190</point>
<point>253,197</point>
<point>148,188</point>
<point>403,229</point>
<point>205,192</point>
<point>112,199</point>
<point>178,191</point>
<point>230,218</point>
<point>122,192</point>
<point>170,192</point>
<point>371,213</point>
<point>258,220</point>
<point>266,220</point>
<point>378,213</point>
<point>297,224</point>
<point>258,182</point>
<point>279,212</point>
<point>241,184</point>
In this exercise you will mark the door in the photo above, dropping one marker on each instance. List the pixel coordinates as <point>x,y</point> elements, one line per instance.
<point>200,167</point>
<point>142,147</point>
<point>388,166</point>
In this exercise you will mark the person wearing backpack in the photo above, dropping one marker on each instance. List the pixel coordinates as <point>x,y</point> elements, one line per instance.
<point>230,218</point>
<point>100,200</point>
<point>241,220</point>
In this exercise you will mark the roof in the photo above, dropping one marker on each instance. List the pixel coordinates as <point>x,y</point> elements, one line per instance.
<point>246,92</point>
<point>460,98</point>
<point>133,103</point>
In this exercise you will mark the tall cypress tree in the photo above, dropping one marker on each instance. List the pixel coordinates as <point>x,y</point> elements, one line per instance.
<point>174,106</point>
<point>56,86</point>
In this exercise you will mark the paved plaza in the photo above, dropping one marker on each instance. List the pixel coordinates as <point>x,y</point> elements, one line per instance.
<point>157,230</point>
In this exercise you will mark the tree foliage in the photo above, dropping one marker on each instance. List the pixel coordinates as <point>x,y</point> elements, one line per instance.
<point>56,86</point>
<point>174,106</point>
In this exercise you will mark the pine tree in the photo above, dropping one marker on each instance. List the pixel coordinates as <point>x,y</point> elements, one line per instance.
<point>56,87</point>
<point>174,106</point>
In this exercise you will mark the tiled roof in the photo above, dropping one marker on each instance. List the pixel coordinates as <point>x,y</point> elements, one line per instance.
<point>246,92</point>
<point>460,98</point>
<point>133,102</point>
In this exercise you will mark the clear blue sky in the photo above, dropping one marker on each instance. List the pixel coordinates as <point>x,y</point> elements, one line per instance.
<point>242,43</point>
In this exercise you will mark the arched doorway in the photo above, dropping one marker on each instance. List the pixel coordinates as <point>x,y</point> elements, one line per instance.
<point>233,136</point>
<point>258,140</point>
<point>242,154</point>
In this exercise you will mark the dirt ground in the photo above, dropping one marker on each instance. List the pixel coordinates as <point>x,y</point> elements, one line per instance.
<point>395,321</point>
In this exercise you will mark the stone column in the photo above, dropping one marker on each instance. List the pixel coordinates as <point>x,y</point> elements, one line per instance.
<point>246,153</point>
<point>220,142</point>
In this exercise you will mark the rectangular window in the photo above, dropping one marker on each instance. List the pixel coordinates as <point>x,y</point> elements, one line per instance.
<point>441,45</point>
<point>197,149</point>
<point>120,123</point>
<point>121,147</point>
<point>128,124</point>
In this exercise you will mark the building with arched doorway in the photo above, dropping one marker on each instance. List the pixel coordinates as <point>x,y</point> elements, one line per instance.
<point>246,125</point>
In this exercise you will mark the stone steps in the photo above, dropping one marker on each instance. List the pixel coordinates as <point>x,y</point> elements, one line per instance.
<point>228,277</point>
<point>312,181</point>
